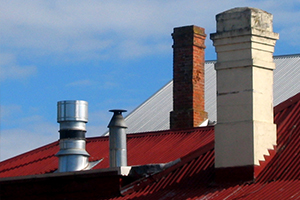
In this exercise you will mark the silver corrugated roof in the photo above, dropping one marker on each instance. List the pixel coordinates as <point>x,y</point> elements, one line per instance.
<point>154,113</point>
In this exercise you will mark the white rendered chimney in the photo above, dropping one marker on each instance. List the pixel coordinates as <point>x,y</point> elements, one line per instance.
<point>245,129</point>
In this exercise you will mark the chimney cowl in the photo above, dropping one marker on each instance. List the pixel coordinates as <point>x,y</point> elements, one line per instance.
<point>117,119</point>
<point>72,115</point>
<point>72,110</point>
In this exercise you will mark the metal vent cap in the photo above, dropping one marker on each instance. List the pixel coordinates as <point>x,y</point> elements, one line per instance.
<point>72,110</point>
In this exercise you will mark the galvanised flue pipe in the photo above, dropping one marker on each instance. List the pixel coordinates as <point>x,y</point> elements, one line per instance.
<point>72,116</point>
<point>117,140</point>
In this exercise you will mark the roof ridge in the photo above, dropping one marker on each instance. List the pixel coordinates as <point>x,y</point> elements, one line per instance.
<point>286,56</point>
<point>275,57</point>
<point>37,150</point>
<point>169,131</point>
<point>283,105</point>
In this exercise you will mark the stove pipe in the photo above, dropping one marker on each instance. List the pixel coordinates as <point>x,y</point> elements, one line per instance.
<point>72,117</point>
<point>117,140</point>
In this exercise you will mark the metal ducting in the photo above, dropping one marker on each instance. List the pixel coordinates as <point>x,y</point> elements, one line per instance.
<point>72,116</point>
<point>117,140</point>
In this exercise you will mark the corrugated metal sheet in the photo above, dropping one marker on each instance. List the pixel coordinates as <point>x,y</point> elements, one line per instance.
<point>154,113</point>
<point>192,178</point>
<point>157,147</point>
<point>285,165</point>
<point>38,161</point>
<point>143,148</point>
<point>275,190</point>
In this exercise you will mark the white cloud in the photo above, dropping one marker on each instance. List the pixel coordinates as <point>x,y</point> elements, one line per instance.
<point>9,111</point>
<point>111,28</point>
<point>81,83</point>
<point>19,133</point>
<point>103,84</point>
<point>19,140</point>
<point>16,72</point>
<point>9,68</point>
<point>62,27</point>
<point>131,48</point>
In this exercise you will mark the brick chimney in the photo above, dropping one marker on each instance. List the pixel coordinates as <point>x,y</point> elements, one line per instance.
<point>245,129</point>
<point>188,77</point>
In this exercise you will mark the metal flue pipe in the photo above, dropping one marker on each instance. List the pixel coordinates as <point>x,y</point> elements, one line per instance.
<point>117,140</point>
<point>72,117</point>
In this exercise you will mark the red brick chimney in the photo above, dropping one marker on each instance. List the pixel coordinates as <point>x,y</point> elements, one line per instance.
<point>188,77</point>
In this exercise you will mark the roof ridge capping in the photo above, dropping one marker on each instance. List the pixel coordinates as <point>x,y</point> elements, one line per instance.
<point>169,131</point>
<point>275,57</point>
<point>290,101</point>
<point>286,56</point>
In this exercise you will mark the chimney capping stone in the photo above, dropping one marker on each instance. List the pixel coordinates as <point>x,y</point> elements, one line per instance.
<point>244,18</point>
<point>189,29</point>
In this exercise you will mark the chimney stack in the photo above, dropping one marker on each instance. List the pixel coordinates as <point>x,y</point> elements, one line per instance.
<point>188,77</point>
<point>245,129</point>
<point>117,140</point>
<point>72,117</point>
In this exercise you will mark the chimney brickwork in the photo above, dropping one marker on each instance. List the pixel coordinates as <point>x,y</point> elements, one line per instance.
<point>245,129</point>
<point>188,77</point>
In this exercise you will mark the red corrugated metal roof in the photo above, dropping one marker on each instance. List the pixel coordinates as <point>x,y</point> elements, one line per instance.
<point>143,148</point>
<point>285,165</point>
<point>274,190</point>
<point>193,176</point>
<point>38,161</point>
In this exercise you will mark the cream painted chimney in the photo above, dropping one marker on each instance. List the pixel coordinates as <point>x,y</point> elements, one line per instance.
<point>245,129</point>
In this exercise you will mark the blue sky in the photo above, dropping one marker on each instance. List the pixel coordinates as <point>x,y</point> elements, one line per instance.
<point>113,54</point>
